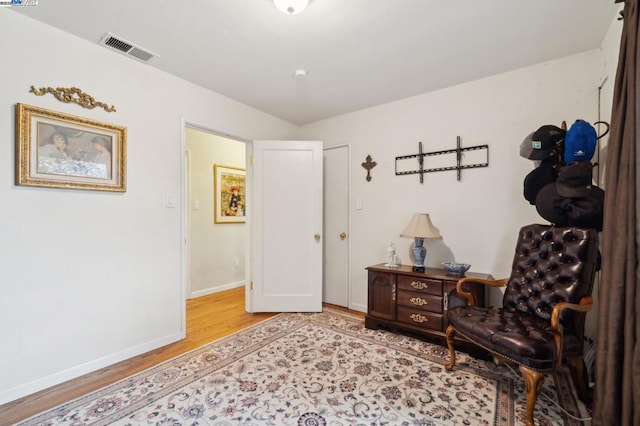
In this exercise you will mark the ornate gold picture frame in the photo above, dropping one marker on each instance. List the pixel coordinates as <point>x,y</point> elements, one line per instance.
<point>229,186</point>
<point>64,151</point>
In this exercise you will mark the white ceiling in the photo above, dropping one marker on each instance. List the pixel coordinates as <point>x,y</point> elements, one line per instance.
<point>357,53</point>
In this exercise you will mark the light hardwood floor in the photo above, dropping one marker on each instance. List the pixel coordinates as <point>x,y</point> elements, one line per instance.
<point>208,318</point>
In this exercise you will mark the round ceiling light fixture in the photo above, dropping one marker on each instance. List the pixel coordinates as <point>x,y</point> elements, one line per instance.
<point>291,7</point>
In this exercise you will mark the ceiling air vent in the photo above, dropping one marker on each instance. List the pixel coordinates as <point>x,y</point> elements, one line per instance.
<point>126,47</point>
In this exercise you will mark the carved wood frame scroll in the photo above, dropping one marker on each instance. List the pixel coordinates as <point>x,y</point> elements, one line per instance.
<point>72,95</point>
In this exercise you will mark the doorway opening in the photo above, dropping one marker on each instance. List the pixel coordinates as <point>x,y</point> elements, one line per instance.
<point>215,253</point>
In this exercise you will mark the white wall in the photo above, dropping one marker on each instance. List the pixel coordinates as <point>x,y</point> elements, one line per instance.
<point>479,217</point>
<point>610,53</point>
<point>90,278</point>
<point>217,251</point>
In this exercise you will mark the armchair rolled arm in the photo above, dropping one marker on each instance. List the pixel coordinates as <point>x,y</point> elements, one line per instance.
<point>492,283</point>
<point>585,305</point>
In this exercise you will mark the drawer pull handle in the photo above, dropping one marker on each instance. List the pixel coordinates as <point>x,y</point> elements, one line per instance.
<point>418,318</point>
<point>419,285</point>
<point>418,301</point>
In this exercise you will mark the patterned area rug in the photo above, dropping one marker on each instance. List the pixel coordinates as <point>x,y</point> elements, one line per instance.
<point>317,369</point>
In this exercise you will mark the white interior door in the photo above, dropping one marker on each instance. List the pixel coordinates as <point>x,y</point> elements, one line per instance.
<point>336,226</point>
<point>286,227</point>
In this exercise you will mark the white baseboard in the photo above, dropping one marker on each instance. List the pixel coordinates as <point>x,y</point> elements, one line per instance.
<point>216,289</point>
<point>77,371</point>
<point>358,307</point>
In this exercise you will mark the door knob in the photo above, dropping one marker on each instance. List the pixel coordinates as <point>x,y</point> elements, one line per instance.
<point>317,237</point>
<point>343,235</point>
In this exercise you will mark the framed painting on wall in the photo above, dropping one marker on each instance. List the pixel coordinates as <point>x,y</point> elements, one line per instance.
<point>57,150</point>
<point>229,194</point>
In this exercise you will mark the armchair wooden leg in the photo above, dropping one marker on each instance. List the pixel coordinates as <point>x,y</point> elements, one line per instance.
<point>452,353</point>
<point>533,382</point>
<point>580,377</point>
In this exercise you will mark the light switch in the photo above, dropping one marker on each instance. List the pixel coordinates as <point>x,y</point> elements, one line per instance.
<point>358,204</point>
<point>169,201</point>
<point>196,204</point>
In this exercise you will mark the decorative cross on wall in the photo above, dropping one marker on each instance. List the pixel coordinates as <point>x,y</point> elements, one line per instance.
<point>458,159</point>
<point>368,165</point>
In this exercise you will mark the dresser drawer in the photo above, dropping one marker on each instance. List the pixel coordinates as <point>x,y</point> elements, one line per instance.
<point>422,285</point>
<point>421,301</point>
<point>418,318</point>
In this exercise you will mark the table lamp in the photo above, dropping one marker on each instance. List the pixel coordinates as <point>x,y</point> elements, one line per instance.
<point>420,228</point>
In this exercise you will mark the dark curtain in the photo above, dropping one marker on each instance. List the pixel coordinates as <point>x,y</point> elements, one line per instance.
<point>617,379</point>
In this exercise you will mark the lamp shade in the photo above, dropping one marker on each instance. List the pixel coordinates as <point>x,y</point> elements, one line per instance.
<point>291,7</point>
<point>420,227</point>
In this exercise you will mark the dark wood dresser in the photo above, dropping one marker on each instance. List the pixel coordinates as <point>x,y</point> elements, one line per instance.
<point>400,299</point>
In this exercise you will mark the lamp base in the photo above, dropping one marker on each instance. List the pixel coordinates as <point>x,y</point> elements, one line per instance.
<point>419,253</point>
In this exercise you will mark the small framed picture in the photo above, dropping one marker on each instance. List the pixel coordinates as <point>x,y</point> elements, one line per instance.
<point>65,151</point>
<point>229,194</point>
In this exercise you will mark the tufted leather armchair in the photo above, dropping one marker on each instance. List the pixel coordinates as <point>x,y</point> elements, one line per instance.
<point>541,321</point>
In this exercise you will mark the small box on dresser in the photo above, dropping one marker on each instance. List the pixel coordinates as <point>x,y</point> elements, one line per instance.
<point>401,299</point>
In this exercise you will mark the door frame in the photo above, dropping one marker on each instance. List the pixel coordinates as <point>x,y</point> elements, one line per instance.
<point>186,163</point>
